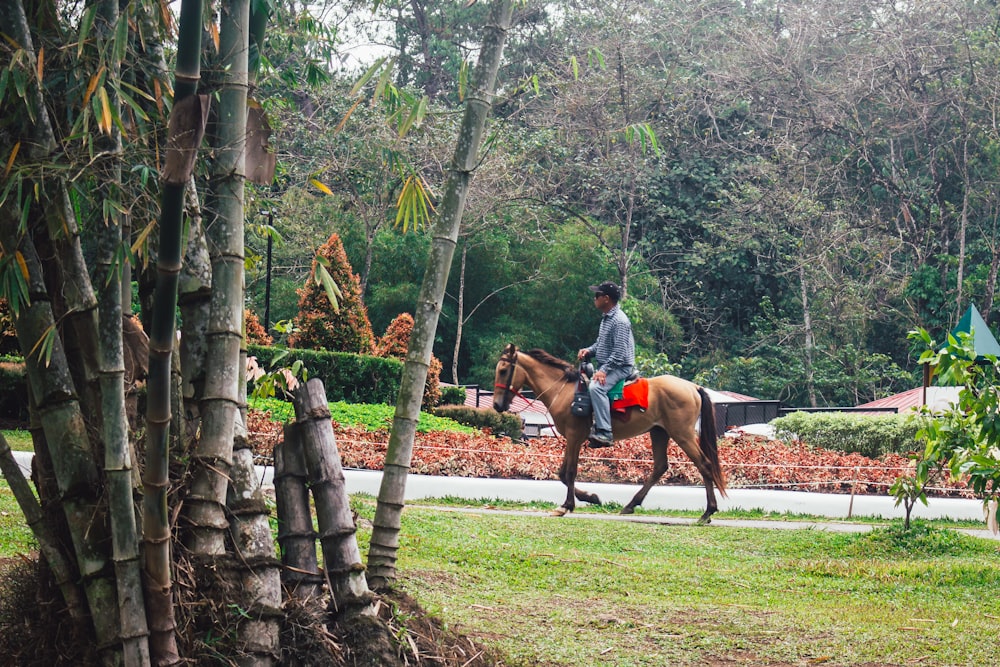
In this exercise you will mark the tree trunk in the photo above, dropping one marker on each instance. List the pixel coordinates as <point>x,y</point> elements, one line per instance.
<point>300,574</point>
<point>117,447</point>
<point>213,455</point>
<point>186,128</point>
<point>385,535</point>
<point>461,314</point>
<point>808,346</point>
<point>341,557</point>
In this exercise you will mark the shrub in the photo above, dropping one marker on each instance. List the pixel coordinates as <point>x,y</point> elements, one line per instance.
<point>13,390</point>
<point>395,343</point>
<point>451,395</point>
<point>498,423</point>
<point>256,333</point>
<point>318,325</point>
<point>354,378</point>
<point>869,435</point>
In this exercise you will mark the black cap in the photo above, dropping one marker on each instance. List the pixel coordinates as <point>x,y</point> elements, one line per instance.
<point>608,288</point>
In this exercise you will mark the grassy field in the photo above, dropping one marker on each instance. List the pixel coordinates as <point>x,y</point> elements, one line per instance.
<point>546,591</point>
<point>552,592</point>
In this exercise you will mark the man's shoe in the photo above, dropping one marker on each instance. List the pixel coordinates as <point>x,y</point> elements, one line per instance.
<point>599,440</point>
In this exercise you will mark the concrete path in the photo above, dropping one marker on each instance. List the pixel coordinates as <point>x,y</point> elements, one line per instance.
<point>830,505</point>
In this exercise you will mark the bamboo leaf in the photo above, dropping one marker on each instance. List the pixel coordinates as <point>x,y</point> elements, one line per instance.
<point>92,85</point>
<point>104,120</point>
<point>44,345</point>
<point>322,187</point>
<point>10,160</point>
<point>133,105</point>
<point>366,77</point>
<point>86,23</point>
<point>40,65</point>
<point>413,206</point>
<point>324,278</point>
<point>576,68</point>
<point>414,118</point>
<point>121,39</point>
<point>343,121</point>
<point>383,83</point>
<point>213,31</point>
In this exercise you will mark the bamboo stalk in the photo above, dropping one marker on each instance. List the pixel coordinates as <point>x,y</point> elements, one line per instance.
<point>296,536</point>
<point>341,556</point>
<point>388,513</point>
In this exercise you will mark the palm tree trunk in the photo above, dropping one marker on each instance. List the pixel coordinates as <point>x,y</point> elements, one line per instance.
<point>388,513</point>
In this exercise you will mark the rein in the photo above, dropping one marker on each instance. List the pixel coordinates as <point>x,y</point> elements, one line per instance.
<point>509,388</point>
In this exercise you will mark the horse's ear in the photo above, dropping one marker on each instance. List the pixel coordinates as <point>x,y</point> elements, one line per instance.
<point>510,349</point>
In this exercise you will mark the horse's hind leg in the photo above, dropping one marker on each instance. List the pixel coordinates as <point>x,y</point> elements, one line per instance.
<point>689,443</point>
<point>660,440</point>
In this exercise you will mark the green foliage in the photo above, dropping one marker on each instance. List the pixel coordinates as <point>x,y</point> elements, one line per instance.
<point>355,378</point>
<point>320,324</point>
<point>13,389</point>
<point>452,395</point>
<point>869,435</point>
<point>498,423</point>
<point>964,439</point>
<point>372,417</point>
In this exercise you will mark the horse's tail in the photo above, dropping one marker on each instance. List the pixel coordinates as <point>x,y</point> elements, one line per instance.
<point>710,441</point>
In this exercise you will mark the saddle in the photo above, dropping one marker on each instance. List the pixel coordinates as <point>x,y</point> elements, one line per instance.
<point>631,392</point>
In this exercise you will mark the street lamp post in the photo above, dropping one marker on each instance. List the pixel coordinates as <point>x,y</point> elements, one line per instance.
<point>267,277</point>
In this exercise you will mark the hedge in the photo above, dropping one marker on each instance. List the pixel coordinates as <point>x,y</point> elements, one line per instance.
<point>869,435</point>
<point>498,423</point>
<point>352,378</point>
<point>13,389</point>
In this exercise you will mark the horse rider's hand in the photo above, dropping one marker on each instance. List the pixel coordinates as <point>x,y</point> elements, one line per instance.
<point>582,354</point>
<point>600,377</point>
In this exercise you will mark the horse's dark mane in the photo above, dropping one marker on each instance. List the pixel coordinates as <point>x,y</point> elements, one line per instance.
<point>570,374</point>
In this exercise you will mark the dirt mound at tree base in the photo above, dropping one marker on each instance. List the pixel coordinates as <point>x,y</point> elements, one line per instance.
<point>36,631</point>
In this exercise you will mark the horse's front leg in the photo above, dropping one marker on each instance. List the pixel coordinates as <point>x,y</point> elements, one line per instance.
<point>567,474</point>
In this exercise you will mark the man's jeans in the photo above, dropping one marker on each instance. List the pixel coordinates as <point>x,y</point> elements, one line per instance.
<point>601,402</point>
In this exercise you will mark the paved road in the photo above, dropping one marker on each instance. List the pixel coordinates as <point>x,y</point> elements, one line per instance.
<point>829,505</point>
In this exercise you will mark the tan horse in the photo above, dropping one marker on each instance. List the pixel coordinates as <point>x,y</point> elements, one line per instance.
<point>675,406</point>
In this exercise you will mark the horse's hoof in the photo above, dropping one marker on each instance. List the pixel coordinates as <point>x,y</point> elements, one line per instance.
<point>594,500</point>
<point>559,511</point>
<point>627,510</point>
<point>703,521</point>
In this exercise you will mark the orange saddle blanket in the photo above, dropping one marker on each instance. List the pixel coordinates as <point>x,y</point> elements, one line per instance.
<point>635,394</point>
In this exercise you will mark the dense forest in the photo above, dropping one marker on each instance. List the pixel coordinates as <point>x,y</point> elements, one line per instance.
<point>784,189</point>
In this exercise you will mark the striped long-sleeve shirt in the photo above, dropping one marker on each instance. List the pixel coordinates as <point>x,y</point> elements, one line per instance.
<point>615,346</point>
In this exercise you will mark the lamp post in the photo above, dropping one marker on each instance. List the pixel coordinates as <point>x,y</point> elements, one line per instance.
<point>267,277</point>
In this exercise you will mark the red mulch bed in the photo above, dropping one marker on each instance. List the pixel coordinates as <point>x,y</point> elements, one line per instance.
<point>747,461</point>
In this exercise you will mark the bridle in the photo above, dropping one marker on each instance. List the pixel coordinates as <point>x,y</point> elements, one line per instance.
<point>509,392</point>
<point>508,387</point>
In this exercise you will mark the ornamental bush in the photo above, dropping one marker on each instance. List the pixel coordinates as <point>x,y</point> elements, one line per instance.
<point>869,435</point>
<point>498,423</point>
<point>318,325</point>
<point>353,378</point>
<point>396,341</point>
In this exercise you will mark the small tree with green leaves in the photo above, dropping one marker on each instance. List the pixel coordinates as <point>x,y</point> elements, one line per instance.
<point>965,438</point>
<point>340,323</point>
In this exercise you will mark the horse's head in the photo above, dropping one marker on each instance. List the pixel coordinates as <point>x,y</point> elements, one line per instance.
<point>508,380</point>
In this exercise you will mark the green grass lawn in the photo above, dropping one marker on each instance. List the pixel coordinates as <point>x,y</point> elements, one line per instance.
<point>547,591</point>
<point>19,441</point>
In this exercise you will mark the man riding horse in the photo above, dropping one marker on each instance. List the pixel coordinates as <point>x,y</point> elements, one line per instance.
<point>614,351</point>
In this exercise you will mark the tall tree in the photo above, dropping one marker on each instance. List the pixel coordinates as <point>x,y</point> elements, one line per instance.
<point>388,513</point>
